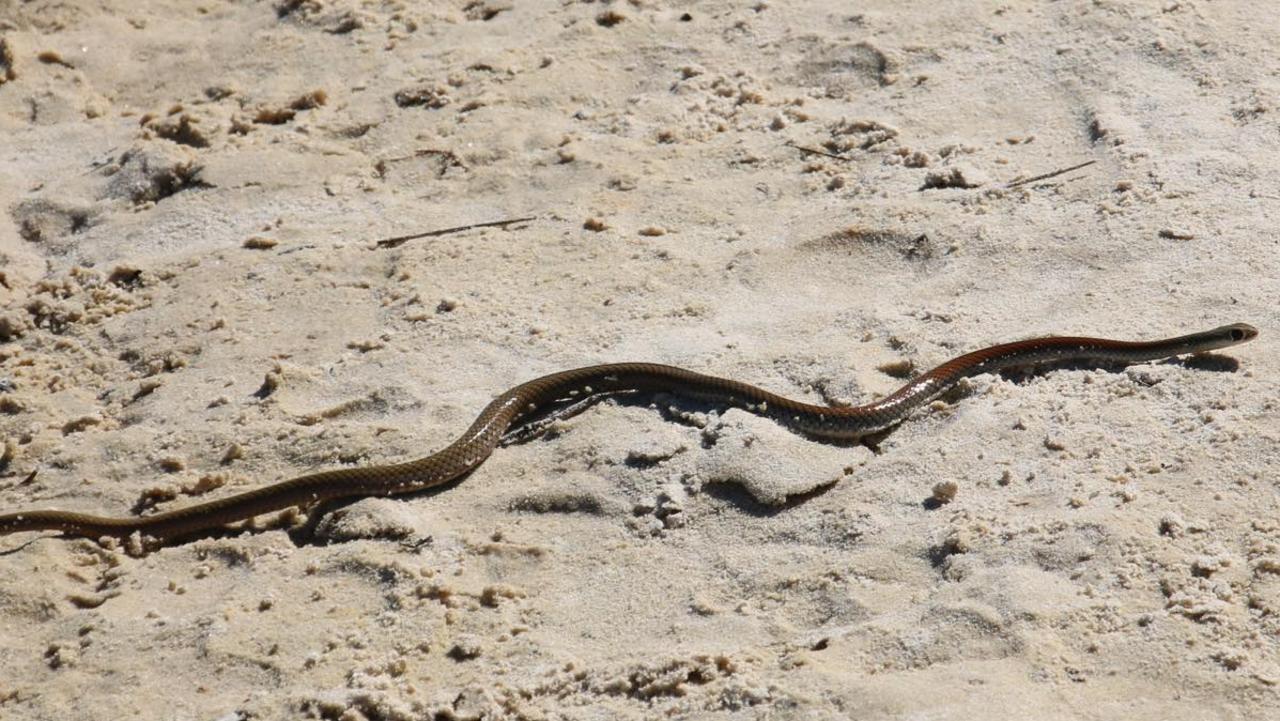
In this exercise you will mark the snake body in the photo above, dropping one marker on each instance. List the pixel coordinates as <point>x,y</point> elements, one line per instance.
<point>519,403</point>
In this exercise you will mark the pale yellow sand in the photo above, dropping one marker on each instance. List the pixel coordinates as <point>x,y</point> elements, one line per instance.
<point>191,195</point>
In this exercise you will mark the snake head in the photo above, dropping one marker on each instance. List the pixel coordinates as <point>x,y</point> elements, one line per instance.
<point>1224,336</point>
<point>1240,332</point>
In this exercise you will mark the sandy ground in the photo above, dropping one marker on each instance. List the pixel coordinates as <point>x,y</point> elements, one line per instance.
<point>192,303</point>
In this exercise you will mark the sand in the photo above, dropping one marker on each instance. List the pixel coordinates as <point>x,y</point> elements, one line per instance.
<point>820,198</point>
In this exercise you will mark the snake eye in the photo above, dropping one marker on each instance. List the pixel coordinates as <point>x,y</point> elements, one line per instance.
<point>1237,334</point>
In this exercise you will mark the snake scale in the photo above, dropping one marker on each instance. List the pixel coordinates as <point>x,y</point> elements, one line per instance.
<point>516,405</point>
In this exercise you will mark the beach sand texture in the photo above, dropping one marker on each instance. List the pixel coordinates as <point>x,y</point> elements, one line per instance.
<point>823,199</point>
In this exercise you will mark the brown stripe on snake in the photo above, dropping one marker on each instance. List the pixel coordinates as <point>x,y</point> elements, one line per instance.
<point>514,406</point>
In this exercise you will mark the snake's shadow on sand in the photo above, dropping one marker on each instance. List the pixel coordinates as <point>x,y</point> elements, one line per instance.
<point>737,496</point>
<point>305,534</point>
<point>1213,362</point>
<point>671,407</point>
<point>730,493</point>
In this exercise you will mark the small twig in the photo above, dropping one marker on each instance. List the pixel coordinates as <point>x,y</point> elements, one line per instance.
<point>416,544</point>
<point>814,151</point>
<point>401,239</point>
<point>1046,176</point>
<point>97,164</point>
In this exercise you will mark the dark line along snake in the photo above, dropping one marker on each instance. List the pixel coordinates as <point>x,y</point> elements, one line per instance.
<point>519,403</point>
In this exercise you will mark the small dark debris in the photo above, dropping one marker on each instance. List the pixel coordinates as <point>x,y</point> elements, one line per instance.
<point>274,116</point>
<point>288,7</point>
<point>431,96</point>
<point>949,178</point>
<point>919,247</point>
<point>1097,131</point>
<point>464,650</point>
<point>7,72</point>
<point>219,92</point>
<point>415,545</point>
<point>345,24</point>
<point>485,11</point>
<point>125,277</point>
<point>609,18</point>
<point>11,406</point>
<point>270,383</point>
<point>53,57</point>
<point>310,101</point>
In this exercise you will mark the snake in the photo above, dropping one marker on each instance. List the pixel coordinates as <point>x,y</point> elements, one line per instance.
<point>518,405</point>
